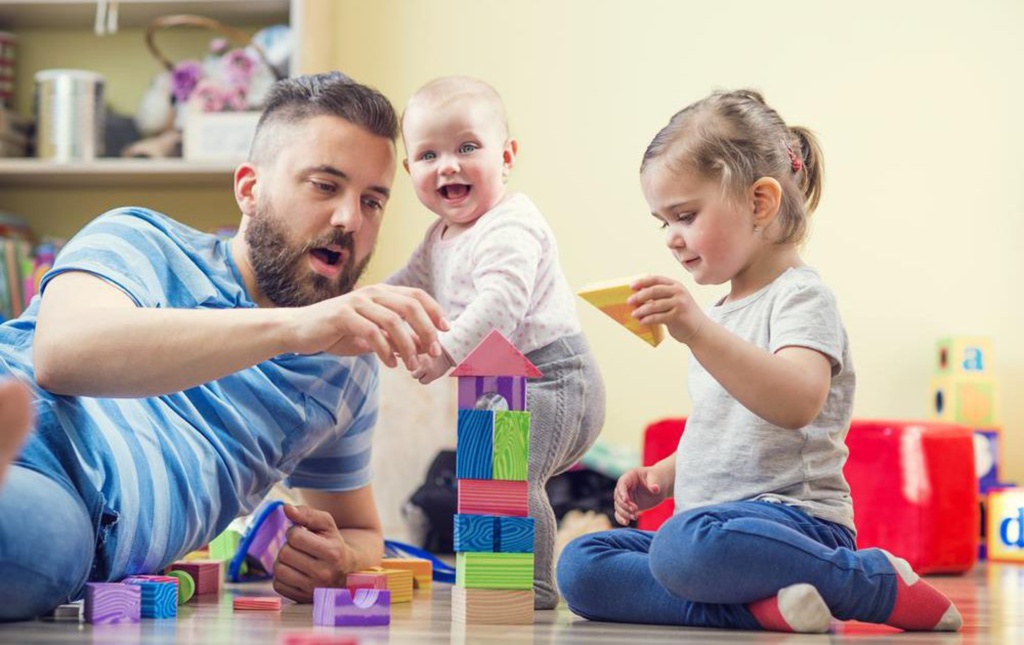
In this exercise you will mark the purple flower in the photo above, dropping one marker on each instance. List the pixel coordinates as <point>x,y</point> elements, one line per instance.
<point>235,98</point>
<point>184,78</point>
<point>237,67</point>
<point>219,45</point>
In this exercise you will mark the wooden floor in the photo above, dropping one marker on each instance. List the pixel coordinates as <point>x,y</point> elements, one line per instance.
<point>991,599</point>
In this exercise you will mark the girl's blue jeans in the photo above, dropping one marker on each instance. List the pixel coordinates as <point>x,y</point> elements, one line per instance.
<point>702,566</point>
<point>47,544</point>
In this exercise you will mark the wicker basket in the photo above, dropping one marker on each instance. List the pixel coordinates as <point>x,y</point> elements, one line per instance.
<point>236,36</point>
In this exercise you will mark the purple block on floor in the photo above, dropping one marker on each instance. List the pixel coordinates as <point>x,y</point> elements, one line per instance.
<point>112,602</point>
<point>340,608</point>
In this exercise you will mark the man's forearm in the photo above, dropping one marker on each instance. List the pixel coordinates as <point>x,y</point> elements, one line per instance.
<point>135,352</point>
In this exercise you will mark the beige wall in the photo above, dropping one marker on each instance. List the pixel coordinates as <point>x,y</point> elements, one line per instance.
<point>918,106</point>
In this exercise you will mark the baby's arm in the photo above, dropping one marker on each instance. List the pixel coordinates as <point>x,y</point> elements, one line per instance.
<point>504,271</point>
<point>787,388</point>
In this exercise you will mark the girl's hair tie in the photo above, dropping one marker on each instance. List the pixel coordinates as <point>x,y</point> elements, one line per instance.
<point>794,160</point>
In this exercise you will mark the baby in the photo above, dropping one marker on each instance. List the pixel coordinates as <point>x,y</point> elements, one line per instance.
<point>491,261</point>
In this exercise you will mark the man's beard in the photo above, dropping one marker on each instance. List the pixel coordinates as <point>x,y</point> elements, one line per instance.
<point>282,271</point>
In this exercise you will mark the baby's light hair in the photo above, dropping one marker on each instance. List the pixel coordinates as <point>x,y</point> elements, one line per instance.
<point>446,89</point>
<point>735,138</point>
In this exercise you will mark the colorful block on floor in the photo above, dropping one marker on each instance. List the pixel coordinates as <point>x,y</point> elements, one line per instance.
<point>341,608</point>
<point>256,603</point>
<point>422,569</point>
<point>112,602</point>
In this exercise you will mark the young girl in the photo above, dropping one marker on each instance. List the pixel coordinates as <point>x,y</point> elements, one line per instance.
<point>491,260</point>
<point>763,536</point>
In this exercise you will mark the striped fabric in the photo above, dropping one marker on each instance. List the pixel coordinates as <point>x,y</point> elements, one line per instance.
<point>171,472</point>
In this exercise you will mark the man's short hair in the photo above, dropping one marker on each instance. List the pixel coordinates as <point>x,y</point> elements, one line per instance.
<point>294,100</point>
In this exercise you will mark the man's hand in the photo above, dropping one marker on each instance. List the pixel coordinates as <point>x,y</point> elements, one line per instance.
<point>383,319</point>
<point>637,490</point>
<point>315,555</point>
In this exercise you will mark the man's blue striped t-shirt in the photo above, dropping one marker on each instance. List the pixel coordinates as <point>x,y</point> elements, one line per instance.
<point>166,474</point>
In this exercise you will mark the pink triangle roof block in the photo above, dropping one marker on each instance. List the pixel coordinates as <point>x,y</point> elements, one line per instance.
<point>496,356</point>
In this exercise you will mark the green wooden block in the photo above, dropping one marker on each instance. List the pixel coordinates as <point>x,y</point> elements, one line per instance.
<point>511,444</point>
<point>224,546</point>
<point>478,570</point>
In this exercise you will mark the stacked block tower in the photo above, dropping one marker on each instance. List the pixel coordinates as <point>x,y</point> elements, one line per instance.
<point>964,391</point>
<point>493,535</point>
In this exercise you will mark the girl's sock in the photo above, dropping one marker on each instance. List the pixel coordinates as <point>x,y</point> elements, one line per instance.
<point>919,606</point>
<point>796,608</point>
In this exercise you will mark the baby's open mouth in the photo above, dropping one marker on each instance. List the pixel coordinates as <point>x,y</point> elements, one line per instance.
<point>453,191</point>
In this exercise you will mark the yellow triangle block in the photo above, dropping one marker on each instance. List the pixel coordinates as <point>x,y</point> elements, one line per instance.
<point>610,297</point>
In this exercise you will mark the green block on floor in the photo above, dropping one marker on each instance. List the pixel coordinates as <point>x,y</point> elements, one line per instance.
<point>511,444</point>
<point>224,546</point>
<point>474,570</point>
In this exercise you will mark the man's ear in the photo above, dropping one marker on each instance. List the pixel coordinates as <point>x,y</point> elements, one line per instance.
<point>245,188</point>
<point>766,194</point>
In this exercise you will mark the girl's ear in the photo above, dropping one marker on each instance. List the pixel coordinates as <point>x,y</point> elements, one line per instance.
<point>405,164</point>
<point>766,194</point>
<point>245,188</point>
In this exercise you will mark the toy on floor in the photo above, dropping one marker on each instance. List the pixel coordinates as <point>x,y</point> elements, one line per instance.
<point>610,297</point>
<point>493,535</point>
<point>112,602</point>
<point>337,607</point>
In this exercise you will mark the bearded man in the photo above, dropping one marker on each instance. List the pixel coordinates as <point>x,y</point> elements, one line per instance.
<point>174,377</point>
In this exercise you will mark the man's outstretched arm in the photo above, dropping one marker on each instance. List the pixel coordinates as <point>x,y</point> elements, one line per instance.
<point>334,534</point>
<point>92,340</point>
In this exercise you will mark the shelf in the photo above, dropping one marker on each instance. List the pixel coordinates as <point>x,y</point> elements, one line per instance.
<point>20,14</point>
<point>109,173</point>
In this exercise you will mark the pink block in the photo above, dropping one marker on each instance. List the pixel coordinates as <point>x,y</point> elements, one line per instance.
<point>493,497</point>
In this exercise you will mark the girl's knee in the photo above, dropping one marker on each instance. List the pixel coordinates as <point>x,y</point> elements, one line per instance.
<point>577,567</point>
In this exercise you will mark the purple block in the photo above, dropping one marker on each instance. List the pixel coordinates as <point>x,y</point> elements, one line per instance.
<point>270,538</point>
<point>112,602</point>
<point>340,608</point>
<point>511,388</point>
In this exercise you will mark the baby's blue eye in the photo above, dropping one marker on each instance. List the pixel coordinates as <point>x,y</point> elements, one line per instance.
<point>467,147</point>
<point>427,156</point>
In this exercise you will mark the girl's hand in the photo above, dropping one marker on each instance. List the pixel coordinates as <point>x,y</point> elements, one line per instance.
<point>637,490</point>
<point>660,300</point>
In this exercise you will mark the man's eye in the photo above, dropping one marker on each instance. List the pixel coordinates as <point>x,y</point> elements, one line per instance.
<point>467,147</point>
<point>374,204</point>
<point>322,186</point>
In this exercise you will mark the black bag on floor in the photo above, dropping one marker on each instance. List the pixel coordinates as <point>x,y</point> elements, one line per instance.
<point>430,511</point>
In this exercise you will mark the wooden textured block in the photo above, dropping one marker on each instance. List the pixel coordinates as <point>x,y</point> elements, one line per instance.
<point>422,569</point>
<point>511,445</point>
<point>474,389</point>
<point>112,602</point>
<point>493,534</point>
<point>610,297</point>
<point>474,453</point>
<point>341,608</point>
<point>970,401</point>
<point>158,599</point>
<point>207,574</point>
<point>492,497</point>
<point>515,534</point>
<point>960,356</point>
<point>1005,525</point>
<point>492,606</point>
<point>496,356</point>
<point>494,570</point>
<point>475,533</point>
<point>256,603</point>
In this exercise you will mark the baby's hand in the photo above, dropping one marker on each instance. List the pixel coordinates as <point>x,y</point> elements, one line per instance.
<point>660,300</point>
<point>432,368</point>
<point>636,491</point>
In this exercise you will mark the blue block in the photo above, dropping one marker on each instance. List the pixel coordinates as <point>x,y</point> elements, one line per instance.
<point>475,533</point>
<point>515,535</point>
<point>474,454</point>
<point>159,599</point>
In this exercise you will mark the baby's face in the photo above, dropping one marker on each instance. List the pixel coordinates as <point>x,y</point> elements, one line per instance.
<point>458,156</point>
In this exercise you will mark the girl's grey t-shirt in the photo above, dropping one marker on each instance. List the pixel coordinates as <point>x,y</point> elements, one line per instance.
<point>728,453</point>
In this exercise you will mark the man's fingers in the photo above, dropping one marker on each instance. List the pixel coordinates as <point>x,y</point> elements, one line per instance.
<point>290,584</point>
<point>311,518</point>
